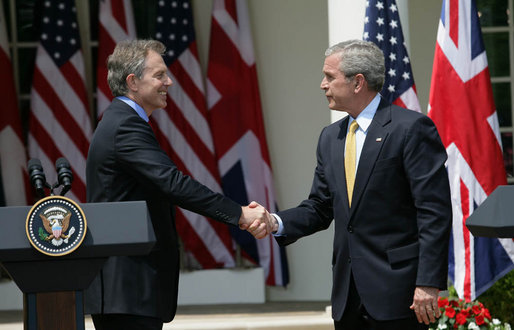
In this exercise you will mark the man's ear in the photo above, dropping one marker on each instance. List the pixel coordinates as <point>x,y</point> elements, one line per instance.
<point>358,82</point>
<point>131,82</point>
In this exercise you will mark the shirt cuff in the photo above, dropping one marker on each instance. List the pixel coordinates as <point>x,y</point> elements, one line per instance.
<point>280,229</point>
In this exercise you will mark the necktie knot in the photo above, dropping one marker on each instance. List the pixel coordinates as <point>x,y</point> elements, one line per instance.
<point>353,127</point>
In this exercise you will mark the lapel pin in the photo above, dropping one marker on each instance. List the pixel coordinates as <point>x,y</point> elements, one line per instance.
<point>379,140</point>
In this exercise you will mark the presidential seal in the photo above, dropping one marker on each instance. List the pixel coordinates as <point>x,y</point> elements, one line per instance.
<point>56,226</point>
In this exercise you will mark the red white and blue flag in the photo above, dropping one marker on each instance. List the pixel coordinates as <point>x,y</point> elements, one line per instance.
<point>461,105</point>
<point>238,129</point>
<point>60,124</point>
<point>382,26</point>
<point>13,159</point>
<point>116,23</point>
<point>183,132</point>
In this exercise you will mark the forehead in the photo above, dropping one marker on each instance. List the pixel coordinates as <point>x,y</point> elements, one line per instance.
<point>154,61</point>
<point>331,64</point>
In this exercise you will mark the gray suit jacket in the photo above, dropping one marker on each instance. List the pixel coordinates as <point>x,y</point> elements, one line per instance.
<point>396,234</point>
<point>125,163</point>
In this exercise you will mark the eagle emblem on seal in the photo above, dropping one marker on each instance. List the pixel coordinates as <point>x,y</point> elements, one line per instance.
<point>56,221</point>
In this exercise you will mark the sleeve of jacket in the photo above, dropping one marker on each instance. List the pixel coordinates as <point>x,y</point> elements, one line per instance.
<point>313,214</point>
<point>424,163</point>
<point>139,153</point>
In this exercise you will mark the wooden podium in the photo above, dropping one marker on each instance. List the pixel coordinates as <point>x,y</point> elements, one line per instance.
<point>53,286</point>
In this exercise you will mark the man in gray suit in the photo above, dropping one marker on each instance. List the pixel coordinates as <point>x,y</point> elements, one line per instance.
<point>125,163</point>
<point>381,177</point>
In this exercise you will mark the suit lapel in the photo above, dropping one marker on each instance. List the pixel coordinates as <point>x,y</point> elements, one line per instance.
<point>375,139</point>
<point>338,154</point>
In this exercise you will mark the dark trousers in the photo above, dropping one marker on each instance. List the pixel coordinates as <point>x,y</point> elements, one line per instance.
<point>355,317</point>
<point>125,322</point>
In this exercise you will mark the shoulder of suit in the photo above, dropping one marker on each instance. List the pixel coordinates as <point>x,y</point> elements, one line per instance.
<point>397,111</point>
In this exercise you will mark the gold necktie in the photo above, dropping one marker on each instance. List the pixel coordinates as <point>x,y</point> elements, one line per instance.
<point>349,160</point>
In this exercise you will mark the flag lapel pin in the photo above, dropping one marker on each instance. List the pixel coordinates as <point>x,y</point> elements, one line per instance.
<point>379,139</point>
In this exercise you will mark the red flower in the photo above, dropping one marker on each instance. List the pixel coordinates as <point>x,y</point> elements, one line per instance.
<point>487,314</point>
<point>454,303</point>
<point>476,309</point>
<point>480,319</point>
<point>461,318</point>
<point>450,312</point>
<point>442,302</point>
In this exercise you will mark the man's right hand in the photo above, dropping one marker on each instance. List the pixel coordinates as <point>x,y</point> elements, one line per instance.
<point>257,221</point>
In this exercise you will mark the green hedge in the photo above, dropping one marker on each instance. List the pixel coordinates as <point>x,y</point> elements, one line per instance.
<point>499,299</point>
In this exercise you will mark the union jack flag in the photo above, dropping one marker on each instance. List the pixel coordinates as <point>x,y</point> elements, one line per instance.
<point>382,26</point>
<point>238,129</point>
<point>462,107</point>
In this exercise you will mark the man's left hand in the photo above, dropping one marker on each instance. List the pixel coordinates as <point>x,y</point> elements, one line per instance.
<point>425,304</point>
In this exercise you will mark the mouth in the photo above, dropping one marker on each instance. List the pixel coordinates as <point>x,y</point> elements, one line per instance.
<point>163,93</point>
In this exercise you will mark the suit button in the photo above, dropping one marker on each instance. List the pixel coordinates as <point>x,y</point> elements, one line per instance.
<point>350,229</point>
<point>349,260</point>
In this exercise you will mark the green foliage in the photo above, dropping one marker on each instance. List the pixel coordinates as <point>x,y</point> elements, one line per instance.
<point>42,234</point>
<point>499,298</point>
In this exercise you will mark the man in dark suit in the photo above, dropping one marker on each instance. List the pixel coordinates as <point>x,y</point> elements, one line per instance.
<point>125,163</point>
<point>381,176</point>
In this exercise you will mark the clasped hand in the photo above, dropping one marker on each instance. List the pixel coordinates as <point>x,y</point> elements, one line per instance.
<point>257,220</point>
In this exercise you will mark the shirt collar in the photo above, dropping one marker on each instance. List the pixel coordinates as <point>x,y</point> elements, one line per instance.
<point>140,111</point>
<point>366,116</point>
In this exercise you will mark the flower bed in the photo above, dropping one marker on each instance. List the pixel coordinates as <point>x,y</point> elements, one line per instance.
<point>458,314</point>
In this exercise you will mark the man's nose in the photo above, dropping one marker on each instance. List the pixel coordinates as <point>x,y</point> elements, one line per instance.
<point>323,83</point>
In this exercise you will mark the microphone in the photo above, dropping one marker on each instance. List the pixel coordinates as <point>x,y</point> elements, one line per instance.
<point>37,176</point>
<point>64,175</point>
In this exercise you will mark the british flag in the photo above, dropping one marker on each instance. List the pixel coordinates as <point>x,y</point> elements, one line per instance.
<point>382,26</point>
<point>462,107</point>
<point>238,129</point>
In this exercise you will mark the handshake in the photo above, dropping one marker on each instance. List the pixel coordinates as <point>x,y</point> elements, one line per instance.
<point>257,220</point>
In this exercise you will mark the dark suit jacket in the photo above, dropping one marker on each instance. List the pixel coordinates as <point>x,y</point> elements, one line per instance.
<point>125,163</point>
<point>395,236</point>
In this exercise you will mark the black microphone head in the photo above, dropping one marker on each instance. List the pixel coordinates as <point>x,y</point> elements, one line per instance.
<point>37,176</point>
<point>34,164</point>
<point>64,175</point>
<point>61,162</point>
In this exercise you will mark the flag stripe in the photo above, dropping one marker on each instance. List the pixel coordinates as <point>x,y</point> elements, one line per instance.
<point>56,118</point>
<point>116,23</point>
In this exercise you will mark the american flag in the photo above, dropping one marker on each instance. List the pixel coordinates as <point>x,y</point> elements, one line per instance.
<point>13,158</point>
<point>116,24</point>
<point>60,123</point>
<point>461,105</point>
<point>382,26</point>
<point>183,132</point>
<point>238,129</point>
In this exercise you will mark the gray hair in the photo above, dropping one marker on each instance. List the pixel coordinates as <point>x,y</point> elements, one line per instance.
<point>358,56</point>
<point>129,57</point>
